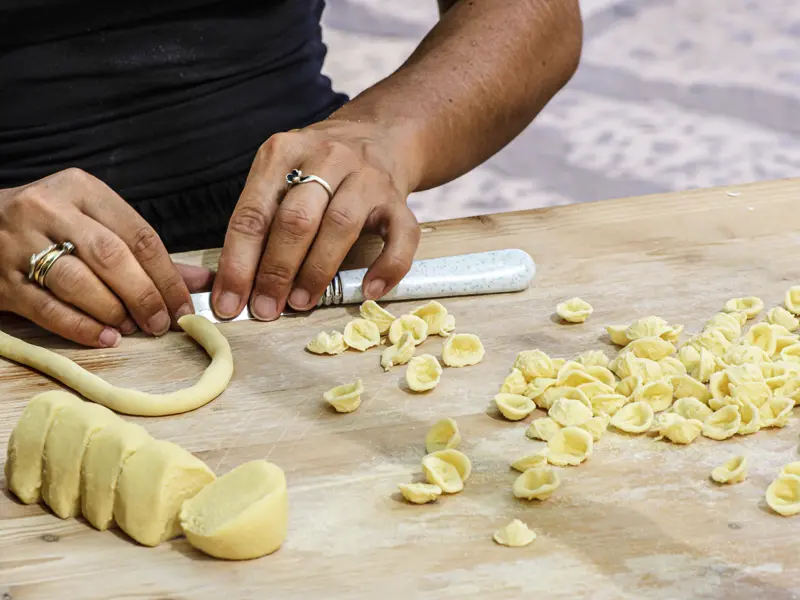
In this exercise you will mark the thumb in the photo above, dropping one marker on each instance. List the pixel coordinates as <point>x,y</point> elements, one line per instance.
<point>198,279</point>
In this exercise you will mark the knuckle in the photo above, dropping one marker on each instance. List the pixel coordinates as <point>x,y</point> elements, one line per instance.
<point>148,299</point>
<point>75,175</point>
<point>296,221</point>
<point>399,265</point>
<point>146,245</point>
<point>47,308</point>
<point>107,250</point>
<point>274,275</point>
<point>276,145</point>
<point>249,221</point>
<point>335,151</point>
<point>83,329</point>
<point>316,275</point>
<point>342,218</point>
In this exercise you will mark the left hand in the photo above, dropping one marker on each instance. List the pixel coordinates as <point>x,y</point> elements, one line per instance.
<point>286,246</point>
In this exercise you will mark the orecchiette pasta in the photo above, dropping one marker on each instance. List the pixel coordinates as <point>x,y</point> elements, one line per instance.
<point>345,398</point>
<point>444,435</point>
<point>462,350</point>
<point>593,358</point>
<point>607,404</point>
<point>781,316</point>
<point>449,325</point>
<point>542,429</point>
<point>434,314</point>
<point>449,469</point>
<point>420,493</point>
<point>412,324</point>
<point>691,408</point>
<point>361,334</point>
<point>514,535</point>
<point>636,417</point>
<point>371,311</point>
<point>617,334</point>
<point>537,483</point>
<point>514,383</point>
<point>567,412</point>
<point>570,446</point>
<point>423,373</point>
<point>537,387</point>
<point>658,394</point>
<point>750,306</point>
<point>327,343</point>
<point>783,495</point>
<point>535,363</point>
<point>596,426</point>
<point>399,353</point>
<point>733,470</point>
<point>574,310</point>
<point>529,462</point>
<point>653,348</point>
<point>723,423</point>
<point>513,406</point>
<point>677,429</point>
<point>684,386</point>
<point>792,300</point>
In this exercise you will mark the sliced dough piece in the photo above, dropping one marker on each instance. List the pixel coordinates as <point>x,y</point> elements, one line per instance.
<point>64,447</point>
<point>542,429</point>
<point>530,461</point>
<point>241,515</point>
<point>570,446</point>
<point>514,383</point>
<point>345,398</point>
<point>636,417</point>
<point>462,350</point>
<point>723,423</point>
<point>423,373</point>
<point>574,310</point>
<point>783,495</point>
<point>399,353</point>
<point>514,535</point>
<point>537,483</point>
<point>420,493</point>
<point>153,484</point>
<point>749,305</point>
<point>361,334</point>
<point>568,413</point>
<point>133,402</point>
<point>23,468</point>
<point>434,314</point>
<point>107,451</point>
<point>449,469</point>
<point>442,436</point>
<point>327,343</point>
<point>514,407</point>
<point>731,471</point>
<point>412,324</point>
<point>372,311</point>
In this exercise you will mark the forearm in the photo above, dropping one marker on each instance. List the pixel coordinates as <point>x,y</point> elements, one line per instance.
<point>474,83</point>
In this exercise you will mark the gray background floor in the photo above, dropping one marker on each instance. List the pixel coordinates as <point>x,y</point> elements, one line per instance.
<point>670,95</point>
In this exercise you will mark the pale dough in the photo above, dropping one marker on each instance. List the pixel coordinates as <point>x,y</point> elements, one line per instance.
<point>345,398</point>
<point>535,363</point>
<point>514,383</point>
<point>23,467</point>
<point>593,358</point>
<point>107,451</point>
<point>449,469</point>
<point>731,471</point>
<point>412,324</point>
<point>567,412</point>
<point>750,306</point>
<point>514,535</point>
<point>371,311</point>
<point>596,426</point>
<point>442,436</point>
<point>530,461</point>
<point>420,493</point>
<point>462,350</point>
<point>676,428</point>
<point>513,406</point>
<point>783,495</point>
<point>684,386</point>
<point>607,404</point>
<point>636,417</point>
<point>574,310</point>
<point>569,446</point>
<point>691,408</point>
<point>449,326</point>
<point>653,348</point>
<point>132,402</point>
<point>536,483</point>
<point>361,334</point>
<point>658,394</point>
<point>69,435</point>
<point>327,343</point>
<point>723,423</point>
<point>434,315</point>
<point>751,418</point>
<point>153,484</point>
<point>671,366</point>
<point>241,515</point>
<point>423,373</point>
<point>399,353</point>
<point>792,300</point>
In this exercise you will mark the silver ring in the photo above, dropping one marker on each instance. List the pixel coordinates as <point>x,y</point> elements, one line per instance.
<point>296,177</point>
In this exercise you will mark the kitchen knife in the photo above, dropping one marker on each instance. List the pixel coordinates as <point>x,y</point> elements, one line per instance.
<point>493,272</point>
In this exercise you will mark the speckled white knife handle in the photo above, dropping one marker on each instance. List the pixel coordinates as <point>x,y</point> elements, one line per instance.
<point>492,272</point>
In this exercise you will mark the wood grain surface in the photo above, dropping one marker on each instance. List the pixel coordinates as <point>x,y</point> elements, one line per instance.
<point>639,520</point>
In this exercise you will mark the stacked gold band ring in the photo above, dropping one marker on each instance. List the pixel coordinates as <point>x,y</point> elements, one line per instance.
<point>42,262</point>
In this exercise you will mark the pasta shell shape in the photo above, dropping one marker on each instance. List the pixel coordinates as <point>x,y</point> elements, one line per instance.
<point>574,310</point>
<point>345,398</point>
<point>537,483</point>
<point>399,353</point>
<point>437,473</point>
<point>449,326</point>
<point>542,429</point>
<point>783,495</point>
<point>756,392</point>
<point>530,461</point>
<point>596,426</point>
<point>568,413</point>
<point>420,493</point>
<point>423,373</point>
<point>434,314</point>
<point>733,470</point>
<point>462,350</point>
<point>327,343</point>
<point>671,366</point>
<point>647,327</point>
<point>607,404</point>
<point>412,324</point>
<point>513,406</point>
<point>535,363</point>
<point>723,423</point>
<point>595,388</point>
<point>550,395</point>
<point>593,358</point>
<point>636,417</point>
<point>658,394</point>
<point>444,435</point>
<point>691,408</point>
<point>537,387</point>
<point>372,311</point>
<point>776,412</point>
<point>514,535</point>
<point>685,386</point>
<point>617,334</point>
<point>750,306</point>
<point>762,336</point>
<point>678,429</point>
<point>792,300</point>
<point>361,334</point>
<point>653,348</point>
<point>514,383</point>
<point>570,446</point>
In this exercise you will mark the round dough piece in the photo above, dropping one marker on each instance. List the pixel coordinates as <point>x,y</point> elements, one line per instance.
<point>722,424</point>
<point>731,471</point>
<point>514,535</point>
<point>153,484</point>
<point>241,515</point>
<point>133,402</point>
<point>64,447</point>
<point>570,446</point>
<point>361,334</point>
<point>462,350</point>
<point>327,343</point>
<point>434,315</point>
<point>574,310</point>
<point>783,495</point>
<point>536,483</point>
<point>412,324</point>
<point>23,468</point>
<point>514,407</point>
<point>420,493</point>
<point>372,311</point>
<point>448,469</point>
<point>107,451</point>
<point>345,398</point>
<point>444,435</point>
<point>423,373</point>
<point>636,417</point>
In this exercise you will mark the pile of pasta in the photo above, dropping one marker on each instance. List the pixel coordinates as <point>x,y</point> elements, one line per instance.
<point>404,334</point>
<point>722,382</point>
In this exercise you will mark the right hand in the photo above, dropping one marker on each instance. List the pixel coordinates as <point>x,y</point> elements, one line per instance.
<point>120,276</point>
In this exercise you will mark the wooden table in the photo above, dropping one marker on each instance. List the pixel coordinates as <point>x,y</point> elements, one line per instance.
<point>639,520</point>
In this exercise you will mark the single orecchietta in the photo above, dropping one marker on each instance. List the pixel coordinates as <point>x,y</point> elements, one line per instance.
<point>399,353</point>
<point>569,446</point>
<point>514,535</point>
<point>462,349</point>
<point>574,310</point>
<point>783,494</point>
<point>449,469</point>
<point>514,407</point>
<point>444,435</point>
<point>423,373</point>
<point>361,334</point>
<point>345,398</point>
<point>435,316</point>
<point>749,305</point>
<point>372,311</point>
<point>542,429</point>
<point>636,417</point>
<point>420,493</point>
<point>530,461</point>
<point>733,470</point>
<point>327,343</point>
<point>412,324</point>
<point>536,483</point>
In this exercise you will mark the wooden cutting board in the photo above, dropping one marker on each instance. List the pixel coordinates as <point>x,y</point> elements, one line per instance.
<point>639,520</point>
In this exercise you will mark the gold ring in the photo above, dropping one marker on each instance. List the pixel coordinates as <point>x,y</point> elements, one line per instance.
<point>42,262</point>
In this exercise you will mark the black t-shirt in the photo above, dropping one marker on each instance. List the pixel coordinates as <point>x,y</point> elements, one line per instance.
<point>154,98</point>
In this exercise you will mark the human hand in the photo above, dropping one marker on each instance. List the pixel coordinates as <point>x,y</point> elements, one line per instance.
<point>286,246</point>
<point>120,275</point>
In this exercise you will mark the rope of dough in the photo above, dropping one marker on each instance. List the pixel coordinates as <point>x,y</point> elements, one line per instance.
<point>133,402</point>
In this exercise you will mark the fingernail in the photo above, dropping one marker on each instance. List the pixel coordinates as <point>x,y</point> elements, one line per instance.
<point>375,289</point>
<point>185,309</point>
<point>128,326</point>
<point>265,308</point>
<point>158,323</point>
<point>298,299</point>
<point>228,305</point>
<point>109,338</point>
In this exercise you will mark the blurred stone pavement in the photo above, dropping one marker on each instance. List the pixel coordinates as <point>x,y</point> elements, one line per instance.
<point>670,95</point>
